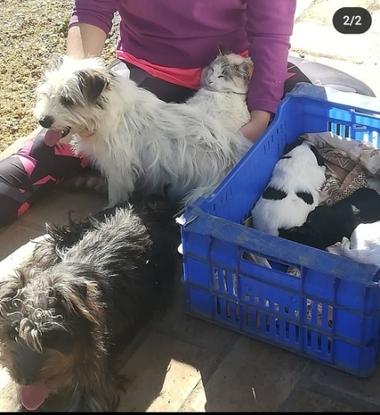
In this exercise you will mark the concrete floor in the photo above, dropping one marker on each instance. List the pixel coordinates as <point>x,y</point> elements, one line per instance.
<point>179,363</point>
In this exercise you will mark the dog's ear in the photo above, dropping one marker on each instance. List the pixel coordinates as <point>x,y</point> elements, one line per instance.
<point>82,298</point>
<point>320,159</point>
<point>294,144</point>
<point>9,287</point>
<point>11,284</point>
<point>92,84</point>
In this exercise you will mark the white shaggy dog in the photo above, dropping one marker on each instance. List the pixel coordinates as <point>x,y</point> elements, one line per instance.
<point>292,193</point>
<point>138,141</point>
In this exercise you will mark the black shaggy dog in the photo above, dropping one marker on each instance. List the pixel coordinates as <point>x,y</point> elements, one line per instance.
<point>327,225</point>
<point>69,311</point>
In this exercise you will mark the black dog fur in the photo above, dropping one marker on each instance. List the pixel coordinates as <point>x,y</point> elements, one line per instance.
<point>69,311</point>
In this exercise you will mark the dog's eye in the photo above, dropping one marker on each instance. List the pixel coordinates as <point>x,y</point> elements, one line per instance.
<point>66,101</point>
<point>12,305</point>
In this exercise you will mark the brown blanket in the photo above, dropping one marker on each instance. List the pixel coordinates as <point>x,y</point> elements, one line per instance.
<point>349,165</point>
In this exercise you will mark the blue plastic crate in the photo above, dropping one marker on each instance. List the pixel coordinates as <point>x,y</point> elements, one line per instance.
<point>331,312</point>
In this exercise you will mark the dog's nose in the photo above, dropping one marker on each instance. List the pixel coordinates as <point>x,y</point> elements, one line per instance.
<point>26,380</point>
<point>46,121</point>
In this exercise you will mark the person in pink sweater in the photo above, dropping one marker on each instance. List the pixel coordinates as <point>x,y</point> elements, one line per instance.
<point>165,44</point>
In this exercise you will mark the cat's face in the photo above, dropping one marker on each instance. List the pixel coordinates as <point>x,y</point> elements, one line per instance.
<point>228,73</point>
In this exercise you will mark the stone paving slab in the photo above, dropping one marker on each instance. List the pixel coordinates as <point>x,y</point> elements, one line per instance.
<point>162,373</point>
<point>14,237</point>
<point>253,376</point>
<point>342,383</point>
<point>57,209</point>
<point>304,399</point>
<point>176,323</point>
<point>321,388</point>
<point>48,209</point>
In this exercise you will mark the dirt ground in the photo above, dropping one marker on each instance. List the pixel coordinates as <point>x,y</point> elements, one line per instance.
<point>30,32</point>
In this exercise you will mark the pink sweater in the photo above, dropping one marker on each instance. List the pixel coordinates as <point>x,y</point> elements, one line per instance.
<point>187,33</point>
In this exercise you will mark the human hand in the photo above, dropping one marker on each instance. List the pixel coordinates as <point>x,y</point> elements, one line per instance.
<point>257,125</point>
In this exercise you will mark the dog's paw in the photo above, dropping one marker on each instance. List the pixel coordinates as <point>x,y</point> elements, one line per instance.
<point>346,244</point>
<point>90,181</point>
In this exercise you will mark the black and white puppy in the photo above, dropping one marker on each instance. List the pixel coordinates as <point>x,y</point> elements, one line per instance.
<point>327,225</point>
<point>293,191</point>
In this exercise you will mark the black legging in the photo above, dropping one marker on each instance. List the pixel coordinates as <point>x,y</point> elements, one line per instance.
<point>36,167</point>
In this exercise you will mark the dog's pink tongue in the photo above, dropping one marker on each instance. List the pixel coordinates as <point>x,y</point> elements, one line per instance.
<point>52,137</point>
<point>33,396</point>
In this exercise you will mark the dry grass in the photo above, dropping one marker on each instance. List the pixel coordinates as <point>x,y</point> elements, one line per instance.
<point>30,32</point>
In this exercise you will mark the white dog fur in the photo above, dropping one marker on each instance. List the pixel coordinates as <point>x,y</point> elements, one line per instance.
<point>137,140</point>
<point>363,246</point>
<point>280,206</point>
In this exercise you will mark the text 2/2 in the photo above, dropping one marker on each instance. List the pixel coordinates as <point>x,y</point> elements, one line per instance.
<point>352,20</point>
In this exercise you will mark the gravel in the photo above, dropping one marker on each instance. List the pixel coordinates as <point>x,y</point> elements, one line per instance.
<point>31,31</point>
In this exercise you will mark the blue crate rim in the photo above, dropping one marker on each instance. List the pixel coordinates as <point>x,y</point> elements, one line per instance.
<point>196,220</point>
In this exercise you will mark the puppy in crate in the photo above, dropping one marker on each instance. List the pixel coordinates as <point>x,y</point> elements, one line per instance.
<point>293,189</point>
<point>68,311</point>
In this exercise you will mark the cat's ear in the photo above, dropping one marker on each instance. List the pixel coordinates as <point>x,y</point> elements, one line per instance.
<point>246,68</point>
<point>223,51</point>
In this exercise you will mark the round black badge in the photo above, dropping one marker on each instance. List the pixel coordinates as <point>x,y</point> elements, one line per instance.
<point>352,20</point>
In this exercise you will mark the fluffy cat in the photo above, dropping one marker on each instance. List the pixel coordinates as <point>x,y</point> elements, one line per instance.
<point>224,90</point>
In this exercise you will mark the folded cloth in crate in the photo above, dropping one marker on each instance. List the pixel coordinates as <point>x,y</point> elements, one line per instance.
<point>363,153</point>
<point>250,256</point>
<point>262,261</point>
<point>346,162</point>
<point>363,245</point>
<point>343,176</point>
